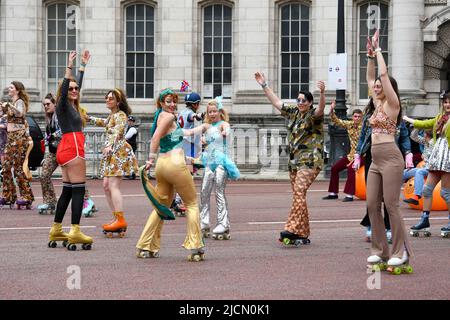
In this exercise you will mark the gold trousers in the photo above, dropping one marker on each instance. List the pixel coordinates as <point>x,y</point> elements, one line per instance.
<point>173,174</point>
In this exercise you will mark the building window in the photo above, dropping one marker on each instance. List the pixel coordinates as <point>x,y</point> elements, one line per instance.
<point>217,48</point>
<point>294,47</point>
<point>61,39</point>
<point>140,51</point>
<point>373,15</point>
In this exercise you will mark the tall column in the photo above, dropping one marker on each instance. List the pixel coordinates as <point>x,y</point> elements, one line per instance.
<point>407,46</point>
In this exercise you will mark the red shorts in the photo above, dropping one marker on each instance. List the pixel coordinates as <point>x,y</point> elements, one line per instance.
<point>70,148</point>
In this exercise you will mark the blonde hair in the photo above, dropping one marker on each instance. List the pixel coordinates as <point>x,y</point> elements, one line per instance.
<point>76,102</point>
<point>223,113</point>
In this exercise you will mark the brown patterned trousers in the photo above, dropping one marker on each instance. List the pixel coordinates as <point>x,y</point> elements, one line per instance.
<point>48,167</point>
<point>298,220</point>
<point>15,152</point>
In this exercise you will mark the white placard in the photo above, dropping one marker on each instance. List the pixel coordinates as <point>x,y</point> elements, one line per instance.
<point>337,71</point>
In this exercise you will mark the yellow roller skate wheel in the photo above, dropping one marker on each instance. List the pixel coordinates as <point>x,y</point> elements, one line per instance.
<point>397,271</point>
<point>286,241</point>
<point>409,269</point>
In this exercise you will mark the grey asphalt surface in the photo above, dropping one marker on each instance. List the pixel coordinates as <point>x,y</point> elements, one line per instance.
<point>252,265</point>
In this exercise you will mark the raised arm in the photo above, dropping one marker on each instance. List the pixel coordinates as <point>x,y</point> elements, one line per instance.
<point>335,119</point>
<point>276,102</point>
<point>370,75</point>
<point>85,56</point>
<point>321,107</point>
<point>391,97</point>
<point>66,81</point>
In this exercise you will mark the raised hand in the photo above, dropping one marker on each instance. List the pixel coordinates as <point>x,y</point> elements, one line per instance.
<point>333,105</point>
<point>72,56</point>
<point>85,56</point>
<point>260,78</point>
<point>321,86</point>
<point>376,39</point>
<point>369,47</point>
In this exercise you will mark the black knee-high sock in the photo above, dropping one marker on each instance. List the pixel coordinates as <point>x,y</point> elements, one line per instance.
<point>63,202</point>
<point>78,190</point>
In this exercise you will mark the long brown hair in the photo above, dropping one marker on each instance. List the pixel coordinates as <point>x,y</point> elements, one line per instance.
<point>121,100</point>
<point>76,102</point>
<point>23,95</point>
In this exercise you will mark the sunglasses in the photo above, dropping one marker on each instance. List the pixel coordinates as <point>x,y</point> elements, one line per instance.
<point>73,88</point>
<point>109,98</point>
<point>46,104</point>
<point>301,100</point>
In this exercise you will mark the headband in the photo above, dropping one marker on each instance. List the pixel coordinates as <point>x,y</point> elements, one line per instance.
<point>164,93</point>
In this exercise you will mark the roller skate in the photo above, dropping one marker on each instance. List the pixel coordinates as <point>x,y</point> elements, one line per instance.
<point>445,231</point>
<point>423,227</point>
<point>119,225</point>
<point>178,208</point>
<point>291,239</point>
<point>221,233</point>
<point>368,234</point>
<point>196,255</point>
<point>206,231</point>
<point>398,266</point>
<point>145,254</point>
<point>4,202</point>
<point>376,264</point>
<point>23,204</point>
<point>88,208</point>
<point>57,234</point>
<point>46,208</point>
<point>76,236</point>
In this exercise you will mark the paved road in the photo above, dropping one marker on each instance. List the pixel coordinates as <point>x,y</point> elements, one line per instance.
<point>253,265</point>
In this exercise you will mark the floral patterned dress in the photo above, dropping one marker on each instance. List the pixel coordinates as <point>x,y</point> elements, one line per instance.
<point>121,161</point>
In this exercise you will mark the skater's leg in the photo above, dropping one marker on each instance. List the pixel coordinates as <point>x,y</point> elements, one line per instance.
<point>150,239</point>
<point>221,178</point>
<point>432,180</point>
<point>22,181</point>
<point>340,165</point>
<point>392,171</point>
<point>181,179</point>
<point>9,188</point>
<point>349,188</point>
<point>113,188</point>
<point>108,193</point>
<point>205,196</point>
<point>298,220</point>
<point>64,198</point>
<point>445,189</point>
<point>374,197</point>
<point>48,167</point>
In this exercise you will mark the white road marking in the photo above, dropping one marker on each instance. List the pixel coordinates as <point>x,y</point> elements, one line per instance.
<point>333,221</point>
<point>42,228</point>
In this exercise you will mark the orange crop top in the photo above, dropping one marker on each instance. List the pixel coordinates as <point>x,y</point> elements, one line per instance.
<point>381,123</point>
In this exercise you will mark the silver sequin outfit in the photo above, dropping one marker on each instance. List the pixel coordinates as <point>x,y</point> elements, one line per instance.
<point>439,159</point>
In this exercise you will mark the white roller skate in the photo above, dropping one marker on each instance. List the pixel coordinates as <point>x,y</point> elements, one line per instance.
<point>88,208</point>
<point>221,233</point>
<point>206,230</point>
<point>196,255</point>
<point>445,231</point>
<point>398,266</point>
<point>46,208</point>
<point>376,263</point>
<point>145,254</point>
